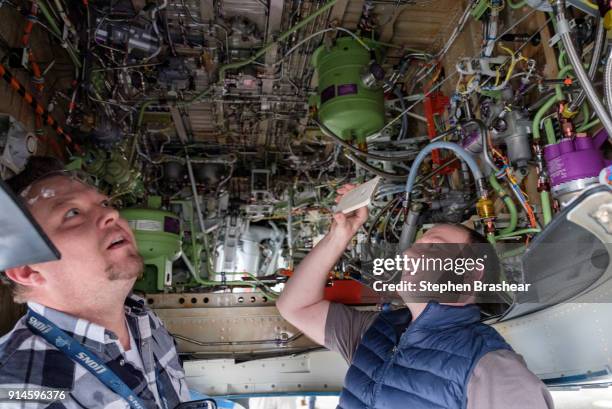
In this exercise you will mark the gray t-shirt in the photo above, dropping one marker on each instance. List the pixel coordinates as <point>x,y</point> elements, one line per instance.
<point>500,380</point>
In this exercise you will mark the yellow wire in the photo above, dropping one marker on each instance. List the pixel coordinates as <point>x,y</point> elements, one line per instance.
<point>590,4</point>
<point>467,87</point>
<point>513,62</point>
<point>436,75</point>
<point>460,85</point>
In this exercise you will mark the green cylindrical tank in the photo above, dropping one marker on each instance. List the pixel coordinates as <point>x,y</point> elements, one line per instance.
<point>158,237</point>
<point>344,103</point>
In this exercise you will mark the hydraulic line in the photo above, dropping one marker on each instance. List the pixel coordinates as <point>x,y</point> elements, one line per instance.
<point>313,35</point>
<point>404,129</point>
<point>196,199</point>
<point>535,126</point>
<point>588,125</point>
<point>482,129</point>
<point>58,33</point>
<point>546,207</point>
<point>143,107</point>
<point>419,181</point>
<point>385,209</point>
<point>518,233</point>
<point>276,342</point>
<point>568,43</point>
<point>597,49</point>
<point>501,192</point>
<point>459,151</point>
<point>156,29</point>
<point>608,79</point>
<point>465,17</point>
<point>67,23</point>
<point>344,144</point>
<point>491,31</point>
<point>50,19</point>
<point>551,137</point>
<point>586,114</point>
<point>235,283</point>
<point>290,227</point>
<point>374,170</point>
<point>410,226</point>
<point>189,265</point>
<point>484,205</point>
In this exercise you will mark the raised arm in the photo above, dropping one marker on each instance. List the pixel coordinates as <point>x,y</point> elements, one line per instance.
<point>301,302</point>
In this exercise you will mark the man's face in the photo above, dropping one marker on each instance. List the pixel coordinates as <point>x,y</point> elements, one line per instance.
<point>440,242</point>
<point>97,246</point>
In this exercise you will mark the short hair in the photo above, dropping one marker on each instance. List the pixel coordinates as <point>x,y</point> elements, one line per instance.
<point>490,308</point>
<point>482,249</point>
<point>37,169</point>
<point>485,246</point>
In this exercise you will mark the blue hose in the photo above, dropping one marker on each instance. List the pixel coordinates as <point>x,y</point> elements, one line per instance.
<point>459,151</point>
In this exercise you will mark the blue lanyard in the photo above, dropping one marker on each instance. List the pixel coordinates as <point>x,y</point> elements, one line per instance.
<point>78,353</point>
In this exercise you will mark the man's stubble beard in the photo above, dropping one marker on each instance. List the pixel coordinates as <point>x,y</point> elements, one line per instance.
<point>127,269</point>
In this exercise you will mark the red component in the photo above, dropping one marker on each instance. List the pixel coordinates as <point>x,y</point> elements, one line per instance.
<point>30,19</point>
<point>435,104</point>
<point>344,291</point>
<point>285,272</point>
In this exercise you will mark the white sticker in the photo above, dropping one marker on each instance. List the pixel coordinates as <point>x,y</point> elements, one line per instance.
<point>146,225</point>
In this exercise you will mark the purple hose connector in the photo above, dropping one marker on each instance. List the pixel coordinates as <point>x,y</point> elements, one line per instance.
<point>575,159</point>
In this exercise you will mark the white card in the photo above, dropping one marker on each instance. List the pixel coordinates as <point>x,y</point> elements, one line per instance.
<point>358,197</point>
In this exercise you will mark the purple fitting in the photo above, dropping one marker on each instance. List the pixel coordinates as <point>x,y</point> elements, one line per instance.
<point>575,159</point>
<point>584,144</point>
<point>566,146</point>
<point>472,142</point>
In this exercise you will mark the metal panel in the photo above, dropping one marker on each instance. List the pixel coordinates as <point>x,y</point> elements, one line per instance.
<point>313,372</point>
<point>254,10</point>
<point>574,338</point>
<point>202,118</point>
<point>230,331</point>
<point>198,300</point>
<point>564,340</point>
<point>418,25</point>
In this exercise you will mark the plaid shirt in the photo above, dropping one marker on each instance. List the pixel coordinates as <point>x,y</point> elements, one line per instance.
<point>28,361</point>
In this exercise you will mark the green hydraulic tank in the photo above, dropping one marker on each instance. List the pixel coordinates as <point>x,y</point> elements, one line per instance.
<point>345,105</point>
<point>158,237</point>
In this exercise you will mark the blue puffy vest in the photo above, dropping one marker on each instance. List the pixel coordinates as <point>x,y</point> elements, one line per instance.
<point>424,365</point>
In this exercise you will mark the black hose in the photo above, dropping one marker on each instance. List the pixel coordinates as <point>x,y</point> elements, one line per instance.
<point>537,104</point>
<point>328,132</point>
<point>404,130</point>
<point>377,218</point>
<point>374,170</point>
